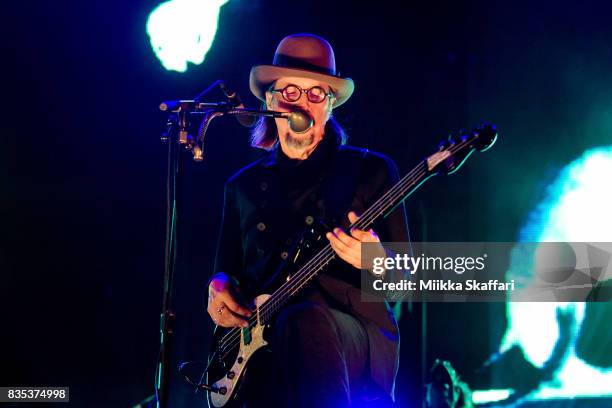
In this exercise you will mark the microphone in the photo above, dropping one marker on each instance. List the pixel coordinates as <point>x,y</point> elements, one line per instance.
<point>299,121</point>
<point>236,102</point>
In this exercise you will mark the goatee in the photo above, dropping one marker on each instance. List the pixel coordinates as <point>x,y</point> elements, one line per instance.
<point>299,142</point>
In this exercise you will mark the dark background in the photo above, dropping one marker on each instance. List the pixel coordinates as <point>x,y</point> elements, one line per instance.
<point>83,182</point>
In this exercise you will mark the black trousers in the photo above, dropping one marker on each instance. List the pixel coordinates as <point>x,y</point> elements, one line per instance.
<point>318,358</point>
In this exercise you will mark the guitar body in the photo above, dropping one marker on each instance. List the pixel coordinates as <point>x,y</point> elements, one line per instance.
<point>230,351</point>
<point>227,371</point>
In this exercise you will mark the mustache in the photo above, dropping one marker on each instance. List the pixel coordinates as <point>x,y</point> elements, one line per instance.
<point>291,107</point>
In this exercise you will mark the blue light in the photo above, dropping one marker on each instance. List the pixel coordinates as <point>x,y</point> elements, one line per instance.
<point>578,208</point>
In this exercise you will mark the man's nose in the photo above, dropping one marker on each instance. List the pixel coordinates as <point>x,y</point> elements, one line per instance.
<point>303,96</point>
<point>303,102</point>
<point>300,104</point>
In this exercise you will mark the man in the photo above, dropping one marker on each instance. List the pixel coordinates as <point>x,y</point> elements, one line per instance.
<point>328,349</point>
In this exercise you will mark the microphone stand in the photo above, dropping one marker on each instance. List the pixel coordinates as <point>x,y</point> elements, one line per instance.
<point>179,139</point>
<point>176,135</point>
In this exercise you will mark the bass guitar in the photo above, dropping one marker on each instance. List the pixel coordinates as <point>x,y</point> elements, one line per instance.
<point>233,348</point>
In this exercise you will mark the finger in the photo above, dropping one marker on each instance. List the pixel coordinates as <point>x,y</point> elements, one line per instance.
<point>233,305</point>
<point>345,238</point>
<point>373,234</point>
<point>335,242</point>
<point>365,236</point>
<point>342,247</point>
<point>229,319</point>
<point>344,253</point>
<point>213,310</point>
<point>347,257</point>
<point>353,217</point>
<point>226,318</point>
<point>218,285</point>
<point>233,320</point>
<point>360,235</point>
<point>237,296</point>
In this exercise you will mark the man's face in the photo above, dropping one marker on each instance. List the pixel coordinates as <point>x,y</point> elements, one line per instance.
<point>320,112</point>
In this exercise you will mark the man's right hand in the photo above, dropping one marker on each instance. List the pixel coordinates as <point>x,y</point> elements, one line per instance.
<point>224,306</point>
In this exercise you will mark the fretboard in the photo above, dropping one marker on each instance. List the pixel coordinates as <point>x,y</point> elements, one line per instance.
<point>382,207</point>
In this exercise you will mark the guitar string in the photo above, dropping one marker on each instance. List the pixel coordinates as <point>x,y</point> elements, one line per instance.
<point>321,254</point>
<point>305,271</point>
<point>297,279</point>
<point>378,208</point>
<point>275,299</point>
<point>298,282</point>
<point>314,264</point>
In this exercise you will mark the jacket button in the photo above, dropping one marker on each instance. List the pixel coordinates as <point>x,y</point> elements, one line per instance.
<point>309,220</point>
<point>288,241</point>
<point>263,186</point>
<point>284,255</point>
<point>261,226</point>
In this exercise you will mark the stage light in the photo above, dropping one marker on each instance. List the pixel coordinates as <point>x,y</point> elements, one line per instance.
<point>488,396</point>
<point>182,31</point>
<point>578,208</point>
<point>580,200</point>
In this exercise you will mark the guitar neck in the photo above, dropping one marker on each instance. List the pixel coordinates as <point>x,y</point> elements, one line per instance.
<point>383,206</point>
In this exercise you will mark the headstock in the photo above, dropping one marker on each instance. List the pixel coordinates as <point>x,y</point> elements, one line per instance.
<point>454,152</point>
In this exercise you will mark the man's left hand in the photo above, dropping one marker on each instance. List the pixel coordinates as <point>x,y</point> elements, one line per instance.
<point>348,247</point>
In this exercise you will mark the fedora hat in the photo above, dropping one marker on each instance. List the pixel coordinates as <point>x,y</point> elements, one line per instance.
<point>302,56</point>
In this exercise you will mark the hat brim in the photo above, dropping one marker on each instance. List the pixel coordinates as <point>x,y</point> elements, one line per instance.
<point>262,76</point>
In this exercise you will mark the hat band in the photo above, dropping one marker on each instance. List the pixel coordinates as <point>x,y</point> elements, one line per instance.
<point>285,61</point>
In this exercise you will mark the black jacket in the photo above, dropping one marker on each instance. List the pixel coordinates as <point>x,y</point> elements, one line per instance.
<point>270,202</point>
